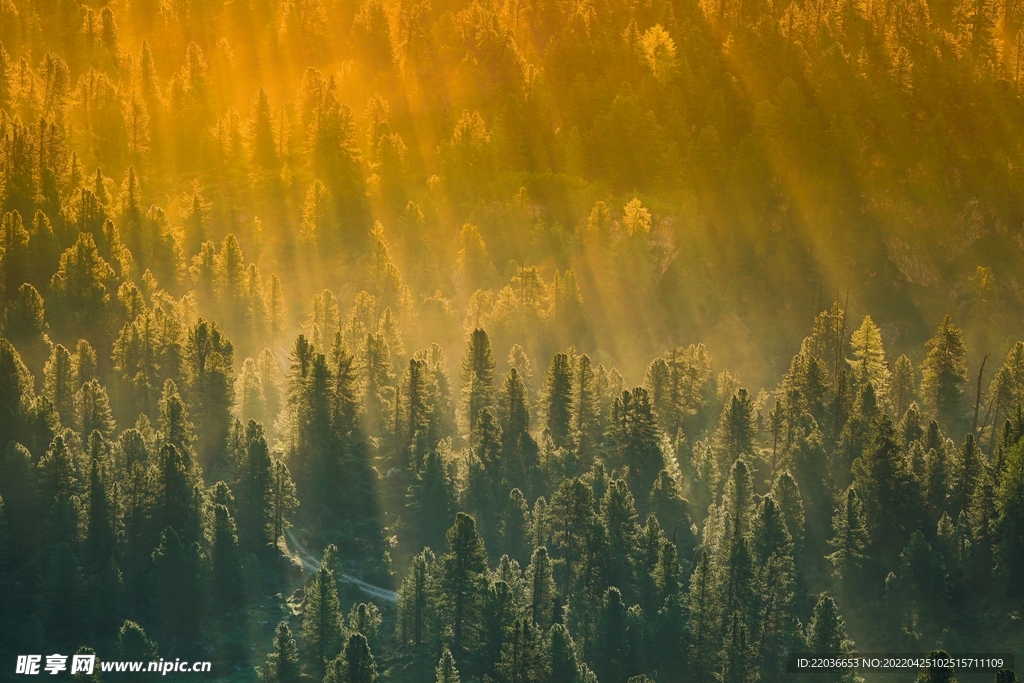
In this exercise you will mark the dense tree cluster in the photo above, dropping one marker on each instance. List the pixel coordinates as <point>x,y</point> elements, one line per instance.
<point>396,260</point>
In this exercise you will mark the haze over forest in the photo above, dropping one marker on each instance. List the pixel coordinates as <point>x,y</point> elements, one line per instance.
<point>563,341</point>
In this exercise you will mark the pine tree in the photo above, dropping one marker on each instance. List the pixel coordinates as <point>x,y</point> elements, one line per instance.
<point>359,665</point>
<point>826,632</point>
<point>850,542</point>
<point>282,665</point>
<point>936,673</point>
<point>737,666</point>
<point>461,575</point>
<point>226,580</point>
<point>558,401</point>
<point>611,638</point>
<point>63,591</point>
<point>176,586</point>
<point>572,521</point>
<point>1009,549</point>
<point>413,599</point>
<point>562,656</point>
<point>541,586</point>
<point>884,484</point>
<point>520,452</point>
<point>446,671</point>
<point>92,411</point>
<point>904,385</point>
<point>430,498</point>
<point>208,363</point>
<point>515,526</point>
<point>586,421</point>
<point>619,518</point>
<point>734,437</point>
<point>256,519</point>
<point>635,436</point>
<point>943,374</point>
<point>101,536</point>
<point>59,383</point>
<point>868,364</point>
<point>522,657</point>
<point>134,645</point>
<point>477,379</point>
<point>322,626</point>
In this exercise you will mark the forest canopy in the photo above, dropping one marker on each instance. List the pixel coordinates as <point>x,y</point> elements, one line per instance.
<point>519,341</point>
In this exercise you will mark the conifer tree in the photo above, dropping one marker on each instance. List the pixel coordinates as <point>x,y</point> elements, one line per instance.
<point>850,541</point>
<point>92,411</point>
<point>322,625</point>
<point>904,385</point>
<point>101,536</point>
<point>414,596</point>
<point>884,485</point>
<point>226,580</point>
<point>561,653</point>
<point>477,379</point>
<point>522,657</point>
<point>134,645</point>
<point>256,488</point>
<point>515,526</point>
<point>461,576</point>
<point>734,437</point>
<point>282,665</point>
<point>572,521</point>
<point>540,580</point>
<point>943,374</point>
<point>558,401</point>
<point>177,586</point>
<point>430,497</point>
<point>63,593</point>
<point>611,646</point>
<point>635,436</point>
<point>826,632</point>
<point>208,363</point>
<point>586,418</point>
<point>446,671</point>
<point>737,666</point>
<point>59,383</point>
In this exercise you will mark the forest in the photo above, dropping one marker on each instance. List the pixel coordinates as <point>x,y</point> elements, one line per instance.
<point>511,341</point>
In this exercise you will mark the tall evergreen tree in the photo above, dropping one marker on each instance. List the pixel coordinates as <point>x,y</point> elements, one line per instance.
<point>282,665</point>
<point>322,625</point>
<point>944,373</point>
<point>461,577</point>
<point>477,379</point>
<point>558,401</point>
